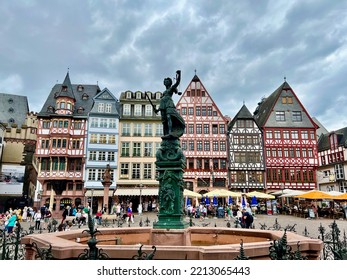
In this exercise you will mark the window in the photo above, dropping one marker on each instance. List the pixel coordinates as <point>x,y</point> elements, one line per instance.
<point>296,116</point>
<point>125,149</point>
<point>191,145</point>
<point>126,129</point>
<point>190,111</point>
<point>286,134</point>
<point>214,129</point>
<point>126,109</point>
<point>45,144</point>
<point>249,123</point>
<point>124,170</point>
<point>62,105</point>
<point>159,130</point>
<point>199,145</point>
<point>101,108</point>
<point>222,146</point>
<point>206,129</point>
<point>137,129</point>
<point>92,155</point>
<point>103,123</point>
<point>198,111</point>
<point>184,110</point>
<point>209,110</point>
<point>128,95</point>
<point>46,124</point>
<point>304,134</point>
<point>138,110</point>
<point>75,144</point>
<point>45,164</point>
<point>138,95</point>
<point>280,116</point>
<point>148,110</point>
<point>191,128</point>
<point>147,171</point>
<point>184,145</point>
<point>77,125</point>
<point>102,156</point>
<point>111,139</point>
<point>269,134</point>
<point>206,145</point>
<point>102,138</point>
<point>203,111</point>
<point>199,128</point>
<point>277,134</point>
<point>215,146</point>
<point>91,174</point>
<point>148,149</point>
<point>135,171</point>
<point>295,134</point>
<point>93,122</point>
<point>221,128</point>
<point>108,108</point>
<point>93,138</point>
<point>148,129</point>
<point>112,123</point>
<point>136,149</point>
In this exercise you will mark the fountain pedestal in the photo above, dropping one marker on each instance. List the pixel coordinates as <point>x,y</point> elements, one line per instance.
<point>170,166</point>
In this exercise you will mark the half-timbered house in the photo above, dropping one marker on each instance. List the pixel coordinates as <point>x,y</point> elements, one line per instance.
<point>61,144</point>
<point>290,142</point>
<point>204,141</point>
<point>246,156</point>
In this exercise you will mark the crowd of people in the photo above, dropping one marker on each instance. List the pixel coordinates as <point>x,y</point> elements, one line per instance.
<point>242,214</point>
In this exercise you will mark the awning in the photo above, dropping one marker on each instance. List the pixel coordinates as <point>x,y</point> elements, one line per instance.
<point>11,189</point>
<point>97,193</point>
<point>136,191</point>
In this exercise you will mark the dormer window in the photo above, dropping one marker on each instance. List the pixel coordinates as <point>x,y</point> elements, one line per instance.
<point>80,110</point>
<point>64,88</point>
<point>138,95</point>
<point>128,95</point>
<point>158,95</point>
<point>50,109</point>
<point>333,141</point>
<point>85,96</point>
<point>11,110</point>
<point>10,100</point>
<point>80,88</point>
<point>62,105</point>
<point>69,106</point>
<point>11,120</point>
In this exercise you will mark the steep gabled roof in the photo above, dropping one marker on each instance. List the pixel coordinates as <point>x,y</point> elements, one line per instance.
<point>243,113</point>
<point>82,105</point>
<point>324,142</point>
<point>66,88</point>
<point>265,113</point>
<point>266,104</point>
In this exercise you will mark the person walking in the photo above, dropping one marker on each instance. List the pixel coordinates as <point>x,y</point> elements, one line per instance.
<point>37,219</point>
<point>11,222</point>
<point>130,216</point>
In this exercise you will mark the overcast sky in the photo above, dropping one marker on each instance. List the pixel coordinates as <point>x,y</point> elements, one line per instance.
<point>241,50</point>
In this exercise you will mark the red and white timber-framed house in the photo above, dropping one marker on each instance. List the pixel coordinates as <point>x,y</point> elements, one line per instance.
<point>246,155</point>
<point>290,142</point>
<point>204,141</point>
<point>61,142</point>
<point>332,152</point>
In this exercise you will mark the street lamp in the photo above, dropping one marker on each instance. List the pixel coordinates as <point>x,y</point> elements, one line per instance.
<point>139,208</point>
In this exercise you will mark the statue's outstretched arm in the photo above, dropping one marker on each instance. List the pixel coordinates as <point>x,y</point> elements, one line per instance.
<point>178,79</point>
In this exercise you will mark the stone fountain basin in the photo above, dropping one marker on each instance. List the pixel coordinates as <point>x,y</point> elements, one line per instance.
<point>195,243</point>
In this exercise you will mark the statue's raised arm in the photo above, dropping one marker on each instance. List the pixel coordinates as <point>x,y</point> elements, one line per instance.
<point>178,79</point>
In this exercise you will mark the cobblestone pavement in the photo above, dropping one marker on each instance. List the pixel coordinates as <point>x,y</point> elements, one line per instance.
<point>301,226</point>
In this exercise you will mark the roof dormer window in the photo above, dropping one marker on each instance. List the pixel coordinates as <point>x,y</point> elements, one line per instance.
<point>64,88</point>
<point>138,95</point>
<point>85,96</point>
<point>10,100</point>
<point>80,88</point>
<point>80,110</point>
<point>128,94</point>
<point>11,110</point>
<point>11,120</point>
<point>62,105</point>
<point>50,109</point>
